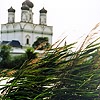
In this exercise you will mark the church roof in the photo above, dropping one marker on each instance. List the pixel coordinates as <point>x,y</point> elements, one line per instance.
<point>43,10</point>
<point>11,9</point>
<point>15,43</point>
<point>28,3</point>
<point>4,42</point>
<point>25,7</point>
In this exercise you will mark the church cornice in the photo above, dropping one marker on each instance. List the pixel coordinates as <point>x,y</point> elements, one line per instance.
<point>25,31</point>
<point>22,26</point>
<point>26,24</point>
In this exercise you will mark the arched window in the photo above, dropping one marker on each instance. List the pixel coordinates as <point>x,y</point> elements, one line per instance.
<point>27,41</point>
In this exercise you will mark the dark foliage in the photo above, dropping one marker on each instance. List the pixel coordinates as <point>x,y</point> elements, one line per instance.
<point>41,43</point>
<point>5,56</point>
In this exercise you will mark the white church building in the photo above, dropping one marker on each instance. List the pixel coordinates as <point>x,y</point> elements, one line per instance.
<point>26,31</point>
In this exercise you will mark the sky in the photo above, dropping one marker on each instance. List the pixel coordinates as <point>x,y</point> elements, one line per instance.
<point>71,18</point>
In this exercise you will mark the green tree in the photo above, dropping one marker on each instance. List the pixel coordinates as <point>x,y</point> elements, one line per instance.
<point>5,56</point>
<point>18,60</point>
<point>30,53</point>
<point>41,43</point>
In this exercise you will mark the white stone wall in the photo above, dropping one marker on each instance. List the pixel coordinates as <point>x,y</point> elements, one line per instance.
<point>21,31</point>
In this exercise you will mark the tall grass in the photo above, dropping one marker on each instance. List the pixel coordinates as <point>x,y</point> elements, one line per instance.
<point>60,74</point>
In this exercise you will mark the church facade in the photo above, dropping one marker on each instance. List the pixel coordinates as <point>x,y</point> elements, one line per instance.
<point>25,31</point>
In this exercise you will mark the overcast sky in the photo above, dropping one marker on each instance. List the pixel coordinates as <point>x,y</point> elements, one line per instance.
<point>72,18</point>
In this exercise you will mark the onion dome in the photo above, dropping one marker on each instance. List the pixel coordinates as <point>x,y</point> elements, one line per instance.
<point>43,10</point>
<point>11,9</point>
<point>28,3</point>
<point>25,7</point>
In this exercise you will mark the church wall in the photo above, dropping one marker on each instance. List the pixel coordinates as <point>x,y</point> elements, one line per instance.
<point>4,37</point>
<point>48,30</point>
<point>29,27</point>
<point>38,29</point>
<point>3,28</point>
<point>10,28</point>
<point>30,37</point>
<point>17,26</point>
<point>18,36</point>
<point>15,33</point>
<point>10,36</point>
